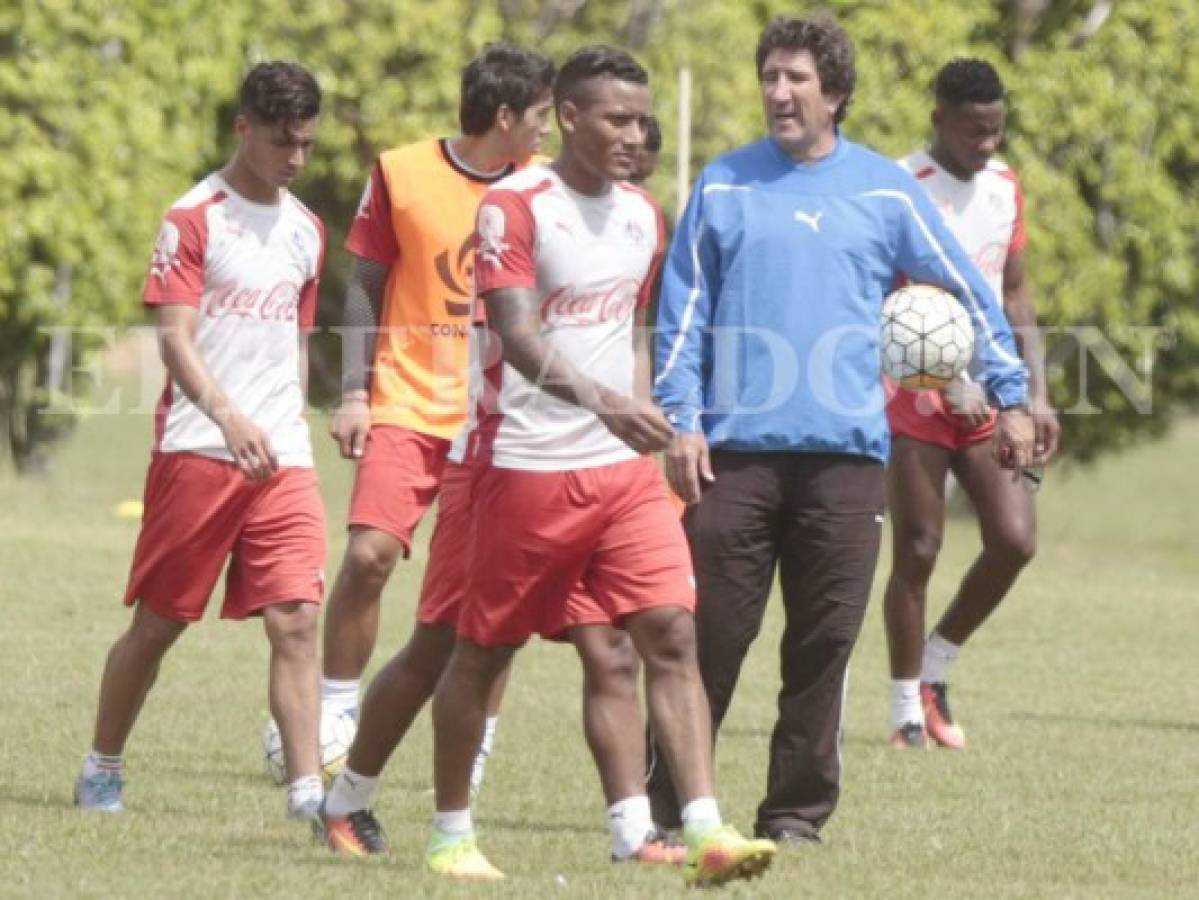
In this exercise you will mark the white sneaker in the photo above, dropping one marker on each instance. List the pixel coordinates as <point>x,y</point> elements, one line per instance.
<point>100,792</point>
<point>306,809</point>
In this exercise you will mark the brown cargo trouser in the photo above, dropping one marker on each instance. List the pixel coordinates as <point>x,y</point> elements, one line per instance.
<point>819,517</point>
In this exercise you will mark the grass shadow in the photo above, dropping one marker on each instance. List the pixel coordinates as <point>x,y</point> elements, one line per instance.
<point>54,800</point>
<point>1102,722</point>
<point>547,827</point>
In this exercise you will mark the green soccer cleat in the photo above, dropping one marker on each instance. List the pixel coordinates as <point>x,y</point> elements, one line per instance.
<point>459,857</point>
<point>722,855</point>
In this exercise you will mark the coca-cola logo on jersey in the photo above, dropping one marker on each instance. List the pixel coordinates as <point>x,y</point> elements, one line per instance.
<point>277,304</point>
<point>613,303</point>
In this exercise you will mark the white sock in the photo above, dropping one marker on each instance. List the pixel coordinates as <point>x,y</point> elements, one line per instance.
<point>488,735</point>
<point>95,763</point>
<point>453,823</point>
<point>351,792</point>
<point>939,655</point>
<point>307,787</point>
<point>905,702</point>
<point>629,822</point>
<point>485,746</point>
<point>699,816</point>
<point>340,696</point>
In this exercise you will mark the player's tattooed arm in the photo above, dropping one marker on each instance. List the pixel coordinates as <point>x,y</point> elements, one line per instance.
<point>361,314</point>
<point>515,318</point>
<point>249,444</point>
<point>1018,307</point>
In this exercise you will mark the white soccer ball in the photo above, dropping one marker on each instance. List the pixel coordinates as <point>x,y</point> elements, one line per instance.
<point>337,734</point>
<point>927,339</point>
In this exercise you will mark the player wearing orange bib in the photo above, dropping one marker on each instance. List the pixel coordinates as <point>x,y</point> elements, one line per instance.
<point>407,318</point>
<point>492,88</point>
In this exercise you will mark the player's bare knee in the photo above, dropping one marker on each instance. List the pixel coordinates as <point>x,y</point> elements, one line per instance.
<point>371,557</point>
<point>623,660</point>
<point>292,627</point>
<point>429,649</point>
<point>665,638</point>
<point>1014,545</point>
<point>611,665</point>
<point>916,553</point>
<point>477,663</point>
<point>152,634</point>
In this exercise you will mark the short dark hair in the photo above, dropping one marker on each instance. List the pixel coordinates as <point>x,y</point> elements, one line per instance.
<point>595,61</point>
<point>964,80</point>
<point>653,134</point>
<point>276,93</point>
<point>502,75</point>
<point>831,50</point>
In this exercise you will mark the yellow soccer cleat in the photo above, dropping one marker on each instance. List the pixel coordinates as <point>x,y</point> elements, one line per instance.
<point>459,857</point>
<point>723,855</point>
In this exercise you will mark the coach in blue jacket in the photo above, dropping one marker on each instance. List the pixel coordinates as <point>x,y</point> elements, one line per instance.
<point>768,367</point>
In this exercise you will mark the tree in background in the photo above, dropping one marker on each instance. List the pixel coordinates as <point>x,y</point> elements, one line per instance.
<point>107,110</point>
<point>109,113</point>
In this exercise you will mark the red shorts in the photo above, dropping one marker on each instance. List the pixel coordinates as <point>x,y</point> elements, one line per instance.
<point>397,480</point>
<point>556,549</point>
<point>447,572</point>
<point>923,416</point>
<point>448,567</point>
<point>199,511</point>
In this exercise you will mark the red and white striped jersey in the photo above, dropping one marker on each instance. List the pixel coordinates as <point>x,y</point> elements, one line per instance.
<point>591,261</point>
<point>252,271</point>
<point>985,214</point>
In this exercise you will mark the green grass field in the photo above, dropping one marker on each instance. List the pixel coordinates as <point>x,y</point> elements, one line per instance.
<point>1080,698</point>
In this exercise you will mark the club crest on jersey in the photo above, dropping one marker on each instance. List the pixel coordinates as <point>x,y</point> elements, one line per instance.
<point>298,248</point>
<point>634,232</point>
<point>166,251</point>
<point>492,245</point>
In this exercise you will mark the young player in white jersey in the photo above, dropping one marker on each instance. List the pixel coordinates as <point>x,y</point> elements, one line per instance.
<point>562,490</point>
<point>936,432</point>
<point>233,289</point>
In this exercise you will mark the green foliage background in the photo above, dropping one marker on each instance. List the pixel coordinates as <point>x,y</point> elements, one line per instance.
<point>110,110</point>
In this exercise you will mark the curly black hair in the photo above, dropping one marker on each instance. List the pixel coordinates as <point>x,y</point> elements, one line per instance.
<point>963,80</point>
<point>831,49</point>
<point>278,93</point>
